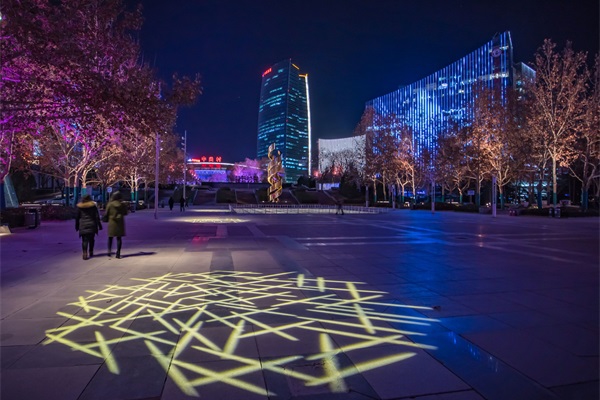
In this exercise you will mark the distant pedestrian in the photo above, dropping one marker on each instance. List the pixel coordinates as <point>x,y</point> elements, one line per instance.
<point>182,204</point>
<point>340,208</point>
<point>171,203</point>
<point>116,210</point>
<point>87,223</point>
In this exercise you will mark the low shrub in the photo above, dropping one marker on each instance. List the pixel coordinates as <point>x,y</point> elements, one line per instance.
<point>262,195</point>
<point>13,217</point>
<point>541,212</point>
<point>58,213</point>
<point>225,195</point>
<point>306,197</point>
<point>447,207</point>
<point>467,208</point>
<point>572,212</point>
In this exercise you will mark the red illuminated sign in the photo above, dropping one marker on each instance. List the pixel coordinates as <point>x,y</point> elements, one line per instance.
<point>204,159</point>
<point>266,72</point>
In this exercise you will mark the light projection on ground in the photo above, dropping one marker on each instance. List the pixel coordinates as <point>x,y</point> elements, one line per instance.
<point>254,321</point>
<point>216,220</point>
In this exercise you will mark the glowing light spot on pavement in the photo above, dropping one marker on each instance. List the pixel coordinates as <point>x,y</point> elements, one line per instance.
<point>220,313</point>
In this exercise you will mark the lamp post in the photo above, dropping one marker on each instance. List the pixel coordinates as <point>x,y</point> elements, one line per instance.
<point>433,196</point>
<point>494,194</point>
<point>156,176</point>
<point>184,161</point>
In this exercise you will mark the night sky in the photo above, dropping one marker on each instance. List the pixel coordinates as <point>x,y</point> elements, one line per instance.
<point>352,50</point>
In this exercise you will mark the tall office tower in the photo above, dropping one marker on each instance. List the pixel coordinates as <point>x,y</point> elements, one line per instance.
<point>284,118</point>
<point>427,104</point>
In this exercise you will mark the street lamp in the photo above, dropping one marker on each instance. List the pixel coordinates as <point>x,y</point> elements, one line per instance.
<point>184,161</point>
<point>156,176</point>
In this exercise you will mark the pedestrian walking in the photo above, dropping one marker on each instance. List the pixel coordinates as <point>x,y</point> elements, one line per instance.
<point>116,210</point>
<point>340,208</point>
<point>182,204</point>
<point>171,203</point>
<point>87,223</point>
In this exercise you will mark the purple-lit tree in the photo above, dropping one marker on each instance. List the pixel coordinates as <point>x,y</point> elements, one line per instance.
<point>248,171</point>
<point>74,66</point>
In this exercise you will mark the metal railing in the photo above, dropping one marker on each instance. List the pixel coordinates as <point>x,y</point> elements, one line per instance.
<point>301,209</point>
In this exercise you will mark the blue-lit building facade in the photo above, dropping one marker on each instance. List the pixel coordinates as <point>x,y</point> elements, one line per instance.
<point>284,118</point>
<point>426,105</point>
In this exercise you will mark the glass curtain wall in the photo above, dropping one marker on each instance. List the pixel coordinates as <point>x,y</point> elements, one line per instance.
<point>427,104</point>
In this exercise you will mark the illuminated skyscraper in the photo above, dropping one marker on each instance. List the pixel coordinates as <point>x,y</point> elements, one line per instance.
<point>427,104</point>
<point>284,118</point>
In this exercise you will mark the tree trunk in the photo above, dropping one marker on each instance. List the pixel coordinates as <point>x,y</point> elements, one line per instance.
<point>584,199</point>
<point>554,184</point>
<point>2,198</point>
<point>374,193</point>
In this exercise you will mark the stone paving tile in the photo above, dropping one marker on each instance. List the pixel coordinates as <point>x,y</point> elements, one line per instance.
<point>404,377</point>
<point>586,344</point>
<point>221,381</point>
<point>55,355</point>
<point>331,378</point>
<point>137,377</point>
<point>462,395</point>
<point>473,323</point>
<point>546,363</point>
<point>63,383</point>
<point>525,319</point>
<point>18,332</point>
<point>587,390</point>
<point>10,354</point>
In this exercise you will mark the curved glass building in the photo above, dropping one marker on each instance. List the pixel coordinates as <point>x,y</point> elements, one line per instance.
<point>427,104</point>
<point>284,118</point>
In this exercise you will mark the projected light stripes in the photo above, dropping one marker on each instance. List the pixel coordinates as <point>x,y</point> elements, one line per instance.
<point>178,315</point>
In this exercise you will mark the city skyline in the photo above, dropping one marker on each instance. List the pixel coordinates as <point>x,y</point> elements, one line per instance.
<point>354,50</point>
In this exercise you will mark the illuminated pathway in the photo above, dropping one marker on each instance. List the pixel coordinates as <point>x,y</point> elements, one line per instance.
<point>208,304</point>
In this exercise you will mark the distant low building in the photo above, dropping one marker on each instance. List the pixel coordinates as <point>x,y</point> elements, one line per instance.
<point>210,169</point>
<point>339,152</point>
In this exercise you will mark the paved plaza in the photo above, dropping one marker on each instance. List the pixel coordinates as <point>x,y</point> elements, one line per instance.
<point>216,305</point>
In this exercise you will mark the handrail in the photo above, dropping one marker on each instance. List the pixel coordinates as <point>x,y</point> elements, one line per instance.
<point>300,209</point>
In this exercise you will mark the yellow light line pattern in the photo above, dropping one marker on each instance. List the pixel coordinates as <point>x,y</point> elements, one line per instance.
<point>184,319</point>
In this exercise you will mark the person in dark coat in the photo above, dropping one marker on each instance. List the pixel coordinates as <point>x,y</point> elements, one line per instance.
<point>87,223</point>
<point>339,207</point>
<point>171,203</point>
<point>115,213</point>
<point>182,204</point>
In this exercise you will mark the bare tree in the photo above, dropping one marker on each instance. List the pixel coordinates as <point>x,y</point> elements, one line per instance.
<point>584,158</point>
<point>451,163</point>
<point>495,122</point>
<point>559,106</point>
<point>409,160</point>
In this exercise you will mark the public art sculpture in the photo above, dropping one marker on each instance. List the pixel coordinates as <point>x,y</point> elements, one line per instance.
<point>274,174</point>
